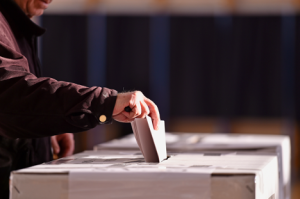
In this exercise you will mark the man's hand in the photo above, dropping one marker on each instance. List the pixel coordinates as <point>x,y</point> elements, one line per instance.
<point>63,145</point>
<point>140,107</point>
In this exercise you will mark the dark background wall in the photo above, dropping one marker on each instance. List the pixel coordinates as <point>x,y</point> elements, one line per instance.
<point>228,66</point>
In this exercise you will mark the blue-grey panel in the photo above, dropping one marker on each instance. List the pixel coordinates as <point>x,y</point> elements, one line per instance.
<point>288,65</point>
<point>96,42</point>
<point>159,64</point>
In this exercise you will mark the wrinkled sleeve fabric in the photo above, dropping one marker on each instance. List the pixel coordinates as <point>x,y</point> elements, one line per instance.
<point>32,107</point>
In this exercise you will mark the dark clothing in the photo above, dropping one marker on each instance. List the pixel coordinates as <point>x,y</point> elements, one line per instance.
<point>32,107</point>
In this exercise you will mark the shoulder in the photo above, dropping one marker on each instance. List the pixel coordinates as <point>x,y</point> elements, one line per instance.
<point>9,49</point>
<point>6,35</point>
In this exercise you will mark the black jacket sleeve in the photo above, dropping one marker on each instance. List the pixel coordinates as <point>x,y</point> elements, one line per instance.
<point>33,107</point>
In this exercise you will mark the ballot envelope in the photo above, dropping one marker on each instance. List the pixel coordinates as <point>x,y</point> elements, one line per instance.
<point>278,145</point>
<point>125,174</point>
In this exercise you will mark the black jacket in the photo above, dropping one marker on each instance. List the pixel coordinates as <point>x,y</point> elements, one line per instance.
<point>32,107</point>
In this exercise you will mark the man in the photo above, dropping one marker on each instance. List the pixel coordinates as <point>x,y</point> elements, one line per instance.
<point>32,107</point>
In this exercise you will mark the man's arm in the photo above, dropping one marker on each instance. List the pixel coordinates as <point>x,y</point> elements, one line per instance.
<point>37,107</point>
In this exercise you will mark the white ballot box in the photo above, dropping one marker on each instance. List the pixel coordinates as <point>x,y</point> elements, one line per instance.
<point>278,145</point>
<point>119,174</point>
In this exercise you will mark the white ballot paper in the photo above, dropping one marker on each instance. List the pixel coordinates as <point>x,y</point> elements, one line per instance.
<point>152,143</point>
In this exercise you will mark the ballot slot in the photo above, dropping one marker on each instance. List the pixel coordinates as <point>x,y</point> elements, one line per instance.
<point>167,158</point>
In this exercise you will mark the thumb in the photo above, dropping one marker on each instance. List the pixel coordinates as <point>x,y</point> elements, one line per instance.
<point>121,103</point>
<point>55,145</point>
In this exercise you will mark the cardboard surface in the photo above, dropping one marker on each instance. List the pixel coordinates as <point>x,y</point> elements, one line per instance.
<point>278,145</point>
<point>119,174</point>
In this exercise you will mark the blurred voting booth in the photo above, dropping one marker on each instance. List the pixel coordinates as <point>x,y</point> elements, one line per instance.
<point>125,174</point>
<point>241,144</point>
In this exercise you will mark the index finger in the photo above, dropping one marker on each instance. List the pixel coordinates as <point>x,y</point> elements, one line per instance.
<point>154,113</point>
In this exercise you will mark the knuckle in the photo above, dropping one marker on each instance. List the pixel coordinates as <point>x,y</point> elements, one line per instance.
<point>134,95</point>
<point>138,93</point>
